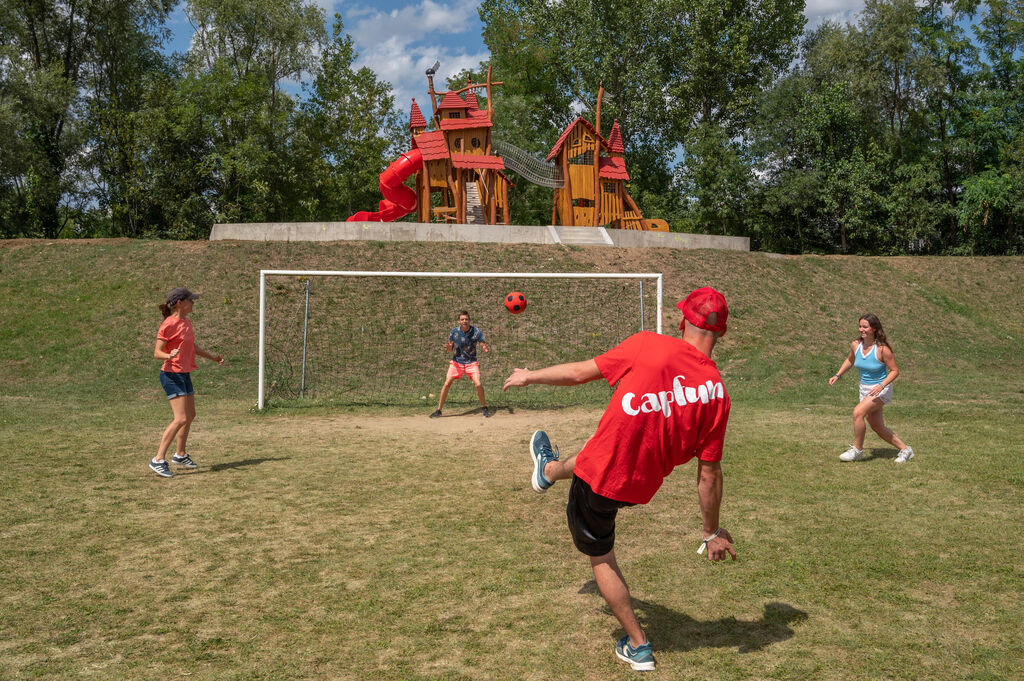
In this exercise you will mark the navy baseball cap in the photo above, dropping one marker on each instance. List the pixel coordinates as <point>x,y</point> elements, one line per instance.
<point>180,293</point>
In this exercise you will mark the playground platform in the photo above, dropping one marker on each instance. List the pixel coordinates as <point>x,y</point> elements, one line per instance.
<point>472,233</point>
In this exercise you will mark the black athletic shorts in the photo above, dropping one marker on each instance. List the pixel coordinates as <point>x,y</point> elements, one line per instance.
<point>591,518</point>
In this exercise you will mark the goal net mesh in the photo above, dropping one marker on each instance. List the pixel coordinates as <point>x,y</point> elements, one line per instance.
<point>379,340</point>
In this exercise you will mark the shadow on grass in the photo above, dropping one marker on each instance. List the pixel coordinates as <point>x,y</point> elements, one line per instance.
<point>240,464</point>
<point>671,630</point>
<point>882,453</point>
<point>478,411</point>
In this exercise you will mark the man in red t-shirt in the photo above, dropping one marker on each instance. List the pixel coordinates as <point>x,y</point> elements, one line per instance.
<point>669,406</point>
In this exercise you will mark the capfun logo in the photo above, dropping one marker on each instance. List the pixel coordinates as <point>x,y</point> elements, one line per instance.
<point>679,394</point>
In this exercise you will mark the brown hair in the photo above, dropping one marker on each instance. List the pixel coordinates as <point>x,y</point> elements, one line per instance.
<point>166,310</point>
<point>876,326</point>
<point>463,312</point>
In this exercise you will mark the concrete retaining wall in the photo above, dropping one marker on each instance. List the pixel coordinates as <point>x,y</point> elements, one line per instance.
<point>636,239</point>
<point>418,231</point>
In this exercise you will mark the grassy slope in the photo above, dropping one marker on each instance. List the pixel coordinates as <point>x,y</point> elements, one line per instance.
<point>847,571</point>
<point>87,309</point>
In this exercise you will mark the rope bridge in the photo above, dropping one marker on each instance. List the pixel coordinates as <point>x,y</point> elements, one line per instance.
<point>527,166</point>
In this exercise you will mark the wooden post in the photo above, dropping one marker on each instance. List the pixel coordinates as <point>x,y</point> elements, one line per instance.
<point>597,159</point>
<point>460,196</point>
<point>504,201</point>
<point>490,102</point>
<point>425,196</point>
<point>493,198</point>
<point>433,95</point>
<point>568,217</point>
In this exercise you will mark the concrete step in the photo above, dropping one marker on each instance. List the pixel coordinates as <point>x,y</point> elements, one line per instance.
<point>582,236</point>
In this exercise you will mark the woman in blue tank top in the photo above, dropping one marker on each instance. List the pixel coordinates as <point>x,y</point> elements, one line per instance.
<point>871,355</point>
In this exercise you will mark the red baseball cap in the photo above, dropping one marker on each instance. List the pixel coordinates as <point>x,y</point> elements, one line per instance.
<point>705,308</point>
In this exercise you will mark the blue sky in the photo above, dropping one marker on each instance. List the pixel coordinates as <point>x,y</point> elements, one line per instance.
<point>400,39</point>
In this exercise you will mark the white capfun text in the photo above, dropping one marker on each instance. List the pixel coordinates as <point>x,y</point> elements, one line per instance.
<point>680,394</point>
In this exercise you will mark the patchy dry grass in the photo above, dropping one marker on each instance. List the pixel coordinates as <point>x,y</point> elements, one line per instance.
<point>348,544</point>
<point>393,547</point>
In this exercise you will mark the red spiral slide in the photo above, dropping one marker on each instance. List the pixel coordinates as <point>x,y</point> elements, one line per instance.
<point>398,200</point>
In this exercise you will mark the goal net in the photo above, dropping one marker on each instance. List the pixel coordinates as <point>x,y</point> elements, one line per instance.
<point>377,338</point>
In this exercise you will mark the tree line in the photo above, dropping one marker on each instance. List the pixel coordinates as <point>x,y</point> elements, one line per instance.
<point>900,132</point>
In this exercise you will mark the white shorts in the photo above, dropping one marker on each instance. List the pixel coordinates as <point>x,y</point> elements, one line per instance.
<point>885,395</point>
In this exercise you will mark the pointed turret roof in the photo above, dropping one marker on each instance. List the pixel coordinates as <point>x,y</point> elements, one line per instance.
<point>416,119</point>
<point>472,102</point>
<point>615,139</point>
<point>452,101</point>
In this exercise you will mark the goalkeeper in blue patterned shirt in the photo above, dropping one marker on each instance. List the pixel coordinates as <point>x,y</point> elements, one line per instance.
<point>462,342</point>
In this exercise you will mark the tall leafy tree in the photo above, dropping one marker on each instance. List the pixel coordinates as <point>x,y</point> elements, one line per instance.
<point>670,68</point>
<point>351,131</point>
<point>68,80</point>
<point>45,47</point>
<point>242,54</point>
<point>127,60</point>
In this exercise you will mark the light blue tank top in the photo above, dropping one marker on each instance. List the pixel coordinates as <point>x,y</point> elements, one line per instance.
<point>871,370</point>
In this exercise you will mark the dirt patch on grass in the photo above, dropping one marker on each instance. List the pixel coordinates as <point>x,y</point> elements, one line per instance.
<point>507,425</point>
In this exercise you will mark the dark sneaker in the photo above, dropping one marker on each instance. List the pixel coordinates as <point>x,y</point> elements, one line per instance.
<point>641,659</point>
<point>436,414</point>
<point>541,452</point>
<point>185,461</point>
<point>161,468</point>
<point>487,413</point>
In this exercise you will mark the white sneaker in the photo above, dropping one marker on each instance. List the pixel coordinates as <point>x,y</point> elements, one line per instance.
<point>852,454</point>
<point>904,455</point>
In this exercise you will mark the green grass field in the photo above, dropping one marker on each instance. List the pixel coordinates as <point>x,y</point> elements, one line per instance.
<point>378,544</point>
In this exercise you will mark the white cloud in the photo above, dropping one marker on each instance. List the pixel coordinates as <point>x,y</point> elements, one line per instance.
<point>818,11</point>
<point>400,44</point>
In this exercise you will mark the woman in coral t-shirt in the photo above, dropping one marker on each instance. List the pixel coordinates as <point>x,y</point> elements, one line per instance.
<point>176,345</point>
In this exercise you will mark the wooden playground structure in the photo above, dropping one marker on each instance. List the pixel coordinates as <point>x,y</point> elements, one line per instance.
<point>460,162</point>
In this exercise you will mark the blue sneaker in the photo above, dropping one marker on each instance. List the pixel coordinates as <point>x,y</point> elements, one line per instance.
<point>542,452</point>
<point>161,468</point>
<point>641,659</point>
<point>185,461</point>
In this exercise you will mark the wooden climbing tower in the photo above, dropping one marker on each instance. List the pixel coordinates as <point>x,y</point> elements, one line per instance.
<point>594,190</point>
<point>458,164</point>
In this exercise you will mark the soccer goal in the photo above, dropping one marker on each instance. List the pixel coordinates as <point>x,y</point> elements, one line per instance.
<point>377,338</point>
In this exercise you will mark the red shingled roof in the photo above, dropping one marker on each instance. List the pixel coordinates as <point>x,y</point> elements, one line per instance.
<point>471,101</point>
<point>416,119</point>
<point>477,161</point>
<point>452,101</point>
<point>475,119</point>
<point>615,139</point>
<point>432,145</point>
<point>613,168</point>
<point>565,134</point>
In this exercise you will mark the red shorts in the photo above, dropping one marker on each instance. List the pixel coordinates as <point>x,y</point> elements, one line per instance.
<point>456,370</point>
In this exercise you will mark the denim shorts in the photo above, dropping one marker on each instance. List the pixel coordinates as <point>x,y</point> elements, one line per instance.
<point>175,384</point>
<point>591,518</point>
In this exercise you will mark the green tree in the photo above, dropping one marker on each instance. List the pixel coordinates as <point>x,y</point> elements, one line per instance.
<point>46,45</point>
<point>668,67</point>
<point>242,53</point>
<point>717,177</point>
<point>127,60</point>
<point>351,132</point>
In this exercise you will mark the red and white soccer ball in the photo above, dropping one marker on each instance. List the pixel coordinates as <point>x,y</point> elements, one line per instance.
<point>515,302</point>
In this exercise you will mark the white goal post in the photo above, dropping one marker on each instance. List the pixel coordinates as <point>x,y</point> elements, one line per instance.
<point>655,276</point>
